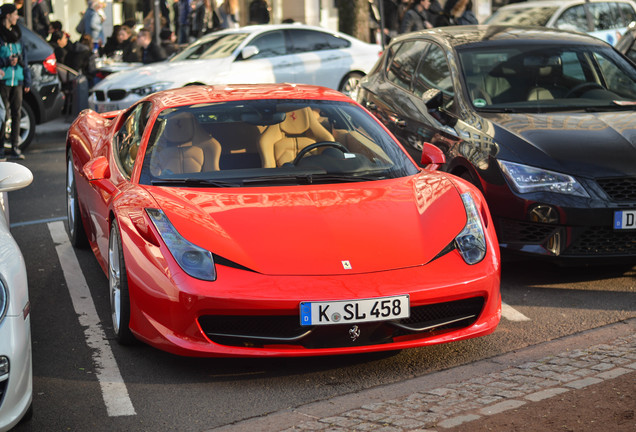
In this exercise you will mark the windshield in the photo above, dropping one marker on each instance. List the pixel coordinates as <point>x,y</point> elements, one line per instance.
<point>270,142</point>
<point>531,16</point>
<point>549,77</point>
<point>208,48</point>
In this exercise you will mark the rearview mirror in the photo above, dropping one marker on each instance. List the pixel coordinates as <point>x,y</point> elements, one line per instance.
<point>432,157</point>
<point>97,169</point>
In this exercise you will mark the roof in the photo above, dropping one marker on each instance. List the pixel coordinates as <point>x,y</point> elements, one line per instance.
<point>192,95</point>
<point>456,36</point>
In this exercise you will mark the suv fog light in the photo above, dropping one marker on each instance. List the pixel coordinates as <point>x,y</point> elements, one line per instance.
<point>543,214</point>
<point>4,366</point>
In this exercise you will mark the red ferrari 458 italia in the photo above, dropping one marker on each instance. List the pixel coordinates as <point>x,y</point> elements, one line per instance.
<point>276,220</point>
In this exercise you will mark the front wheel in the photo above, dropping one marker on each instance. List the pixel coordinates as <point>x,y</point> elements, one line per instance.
<point>350,84</point>
<point>118,288</point>
<point>76,232</point>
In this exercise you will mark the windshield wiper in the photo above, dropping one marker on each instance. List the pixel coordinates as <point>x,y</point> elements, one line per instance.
<point>617,106</point>
<point>194,182</point>
<point>310,179</point>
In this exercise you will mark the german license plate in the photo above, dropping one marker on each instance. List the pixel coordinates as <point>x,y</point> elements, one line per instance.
<point>354,311</point>
<point>625,219</point>
<point>107,108</point>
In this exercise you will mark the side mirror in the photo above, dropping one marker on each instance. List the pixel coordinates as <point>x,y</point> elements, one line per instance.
<point>97,169</point>
<point>433,99</point>
<point>14,176</point>
<point>432,157</point>
<point>97,172</point>
<point>249,51</point>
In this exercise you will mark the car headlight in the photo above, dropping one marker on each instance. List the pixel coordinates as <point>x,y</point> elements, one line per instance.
<point>194,260</point>
<point>4,301</point>
<point>150,88</point>
<point>471,242</point>
<point>525,179</point>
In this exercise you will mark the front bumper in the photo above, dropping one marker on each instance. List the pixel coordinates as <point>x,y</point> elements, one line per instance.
<point>190,317</point>
<point>16,387</point>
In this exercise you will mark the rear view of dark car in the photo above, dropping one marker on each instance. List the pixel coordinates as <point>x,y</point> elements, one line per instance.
<point>44,101</point>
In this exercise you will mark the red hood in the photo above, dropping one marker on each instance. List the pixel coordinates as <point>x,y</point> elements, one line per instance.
<point>312,230</point>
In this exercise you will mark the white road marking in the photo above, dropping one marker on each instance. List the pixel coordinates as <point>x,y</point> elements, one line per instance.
<point>512,314</point>
<point>113,387</point>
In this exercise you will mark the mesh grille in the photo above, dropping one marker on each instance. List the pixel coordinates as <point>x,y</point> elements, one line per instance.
<point>511,231</point>
<point>256,330</point>
<point>604,241</point>
<point>619,189</point>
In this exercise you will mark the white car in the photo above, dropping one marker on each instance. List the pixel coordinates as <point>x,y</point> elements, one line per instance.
<point>291,53</point>
<point>604,19</point>
<point>16,376</point>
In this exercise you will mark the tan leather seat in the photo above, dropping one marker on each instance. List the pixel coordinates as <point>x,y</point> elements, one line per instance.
<point>280,143</point>
<point>184,147</point>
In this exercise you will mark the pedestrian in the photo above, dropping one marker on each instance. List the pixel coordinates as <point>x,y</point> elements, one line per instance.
<point>40,18</point>
<point>416,17</point>
<point>151,52</point>
<point>183,19</point>
<point>168,42</point>
<point>118,43</point>
<point>59,42</point>
<point>204,19</point>
<point>17,75</point>
<point>259,12</point>
<point>81,57</point>
<point>228,14</point>
<point>92,23</point>
<point>460,12</point>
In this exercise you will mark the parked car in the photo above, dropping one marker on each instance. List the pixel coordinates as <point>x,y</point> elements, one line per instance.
<point>542,121</point>
<point>45,100</point>
<point>276,220</point>
<point>254,54</point>
<point>607,20</point>
<point>16,376</point>
<point>627,43</point>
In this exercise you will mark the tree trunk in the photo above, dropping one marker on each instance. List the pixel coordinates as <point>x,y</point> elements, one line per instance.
<point>353,16</point>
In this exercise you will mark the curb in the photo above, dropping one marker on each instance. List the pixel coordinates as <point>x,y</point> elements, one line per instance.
<point>466,393</point>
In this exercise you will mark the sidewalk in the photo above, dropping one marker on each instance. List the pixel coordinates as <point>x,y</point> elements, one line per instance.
<point>583,382</point>
<point>52,130</point>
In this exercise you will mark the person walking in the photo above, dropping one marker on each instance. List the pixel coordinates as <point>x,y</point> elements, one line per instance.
<point>259,12</point>
<point>17,75</point>
<point>416,17</point>
<point>92,23</point>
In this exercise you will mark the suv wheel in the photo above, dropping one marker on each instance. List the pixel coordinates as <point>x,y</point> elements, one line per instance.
<point>27,128</point>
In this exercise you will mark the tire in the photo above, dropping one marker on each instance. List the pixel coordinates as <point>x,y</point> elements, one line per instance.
<point>27,128</point>
<point>350,83</point>
<point>118,288</point>
<point>74,225</point>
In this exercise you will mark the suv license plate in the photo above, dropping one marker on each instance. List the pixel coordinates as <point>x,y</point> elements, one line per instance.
<point>625,219</point>
<point>354,311</point>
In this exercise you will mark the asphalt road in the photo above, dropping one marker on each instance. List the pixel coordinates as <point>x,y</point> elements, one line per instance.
<point>83,380</point>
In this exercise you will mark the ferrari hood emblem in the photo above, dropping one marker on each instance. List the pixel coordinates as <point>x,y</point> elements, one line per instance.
<point>346,265</point>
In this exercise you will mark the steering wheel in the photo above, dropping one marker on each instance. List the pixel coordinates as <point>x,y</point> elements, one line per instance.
<point>310,147</point>
<point>582,88</point>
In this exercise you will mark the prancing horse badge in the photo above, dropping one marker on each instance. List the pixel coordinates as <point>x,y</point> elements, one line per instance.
<point>346,264</point>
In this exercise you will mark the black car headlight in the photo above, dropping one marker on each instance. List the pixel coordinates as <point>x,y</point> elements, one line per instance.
<point>471,242</point>
<point>194,260</point>
<point>525,179</point>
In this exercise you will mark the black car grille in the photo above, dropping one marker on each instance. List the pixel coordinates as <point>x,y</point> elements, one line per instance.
<point>619,189</point>
<point>3,389</point>
<point>116,95</point>
<point>99,95</point>
<point>512,231</point>
<point>604,241</point>
<point>257,331</point>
